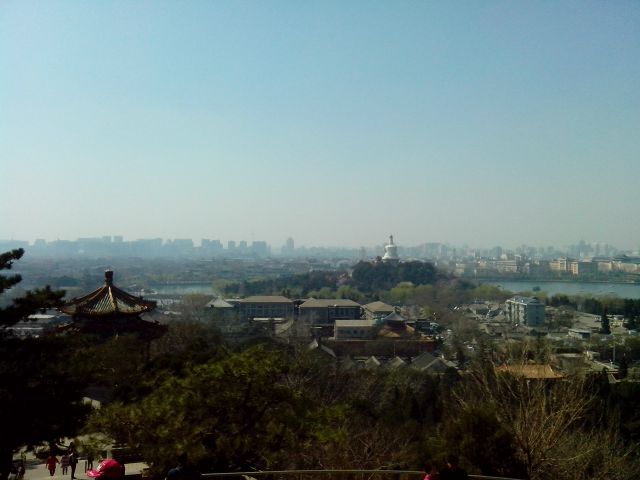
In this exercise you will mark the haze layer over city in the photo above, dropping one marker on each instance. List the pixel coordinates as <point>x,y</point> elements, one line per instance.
<point>335,123</point>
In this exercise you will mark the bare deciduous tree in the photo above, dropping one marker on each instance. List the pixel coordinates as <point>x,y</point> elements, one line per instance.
<point>546,418</point>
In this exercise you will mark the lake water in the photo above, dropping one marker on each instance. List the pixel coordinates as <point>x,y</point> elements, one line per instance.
<point>185,289</point>
<point>622,290</point>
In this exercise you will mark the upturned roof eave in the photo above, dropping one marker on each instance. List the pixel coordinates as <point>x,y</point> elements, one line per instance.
<point>84,305</point>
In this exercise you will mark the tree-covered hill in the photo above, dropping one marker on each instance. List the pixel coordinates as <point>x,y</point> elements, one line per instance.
<point>367,277</point>
<point>371,277</point>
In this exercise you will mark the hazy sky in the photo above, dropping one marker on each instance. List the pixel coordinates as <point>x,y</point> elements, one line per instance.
<point>335,123</point>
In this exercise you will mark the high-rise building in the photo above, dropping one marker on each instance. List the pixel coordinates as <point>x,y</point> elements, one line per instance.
<point>259,248</point>
<point>525,310</point>
<point>288,247</point>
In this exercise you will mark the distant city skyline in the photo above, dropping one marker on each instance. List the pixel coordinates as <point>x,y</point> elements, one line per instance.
<point>289,245</point>
<point>334,123</point>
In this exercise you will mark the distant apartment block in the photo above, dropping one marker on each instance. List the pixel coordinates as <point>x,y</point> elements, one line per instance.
<point>605,266</point>
<point>464,268</point>
<point>508,266</point>
<point>539,267</point>
<point>260,248</point>
<point>179,246</point>
<point>583,268</point>
<point>289,247</point>
<point>525,311</point>
<point>211,246</point>
<point>559,265</point>
<point>627,264</point>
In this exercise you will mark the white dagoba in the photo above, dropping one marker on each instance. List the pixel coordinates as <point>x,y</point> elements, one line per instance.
<point>391,252</point>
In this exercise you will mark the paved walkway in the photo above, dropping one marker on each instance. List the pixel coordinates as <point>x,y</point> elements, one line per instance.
<point>38,471</point>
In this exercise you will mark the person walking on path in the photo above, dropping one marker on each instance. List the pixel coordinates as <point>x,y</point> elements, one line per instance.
<point>431,472</point>
<point>52,462</point>
<point>20,470</point>
<point>182,471</point>
<point>453,471</point>
<point>64,463</point>
<point>73,463</point>
<point>108,469</point>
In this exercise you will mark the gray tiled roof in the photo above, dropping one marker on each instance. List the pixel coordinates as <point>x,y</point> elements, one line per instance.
<point>394,317</point>
<point>372,362</point>
<point>525,300</point>
<point>266,299</point>
<point>219,303</point>
<point>396,362</point>
<point>379,307</point>
<point>329,302</point>
<point>426,362</point>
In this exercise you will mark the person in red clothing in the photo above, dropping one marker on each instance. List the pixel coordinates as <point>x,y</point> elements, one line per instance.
<point>431,472</point>
<point>108,469</point>
<point>52,462</point>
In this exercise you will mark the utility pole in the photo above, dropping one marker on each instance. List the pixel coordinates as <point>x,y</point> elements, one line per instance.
<point>613,339</point>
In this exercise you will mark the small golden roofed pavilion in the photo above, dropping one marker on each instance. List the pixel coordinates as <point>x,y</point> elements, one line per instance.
<point>110,310</point>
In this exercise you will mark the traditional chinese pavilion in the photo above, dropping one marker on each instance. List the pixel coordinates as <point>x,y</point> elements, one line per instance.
<point>110,311</point>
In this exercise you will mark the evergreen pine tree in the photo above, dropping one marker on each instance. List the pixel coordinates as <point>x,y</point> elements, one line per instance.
<point>605,328</point>
<point>32,301</point>
<point>28,392</point>
<point>624,367</point>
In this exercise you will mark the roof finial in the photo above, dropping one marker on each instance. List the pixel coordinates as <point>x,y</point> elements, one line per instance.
<point>108,277</point>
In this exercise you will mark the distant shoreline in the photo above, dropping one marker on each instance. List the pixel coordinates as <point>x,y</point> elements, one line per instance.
<point>568,287</point>
<point>560,280</point>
